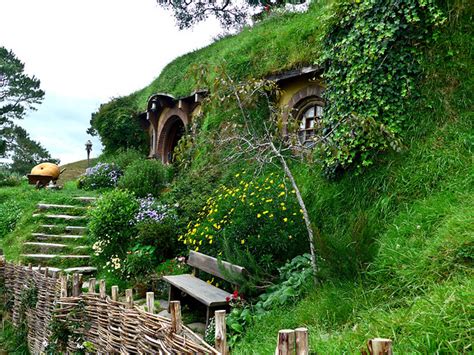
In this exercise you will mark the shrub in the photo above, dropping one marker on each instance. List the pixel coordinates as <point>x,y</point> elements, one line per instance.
<point>112,228</point>
<point>102,175</point>
<point>9,179</point>
<point>156,225</point>
<point>122,157</point>
<point>144,177</point>
<point>257,224</point>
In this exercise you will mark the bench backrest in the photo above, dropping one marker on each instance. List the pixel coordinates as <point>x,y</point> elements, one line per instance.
<point>209,264</point>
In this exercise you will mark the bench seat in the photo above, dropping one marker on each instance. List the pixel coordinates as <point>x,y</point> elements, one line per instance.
<point>204,292</point>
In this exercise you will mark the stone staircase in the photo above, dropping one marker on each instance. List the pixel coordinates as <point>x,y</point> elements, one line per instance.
<point>59,241</point>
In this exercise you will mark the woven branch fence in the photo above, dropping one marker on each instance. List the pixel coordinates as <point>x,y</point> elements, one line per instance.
<point>109,325</point>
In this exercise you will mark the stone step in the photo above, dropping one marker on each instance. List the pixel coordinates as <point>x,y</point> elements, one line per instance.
<point>65,217</point>
<point>46,206</point>
<point>52,256</point>
<point>45,245</point>
<point>86,199</point>
<point>43,236</point>
<point>72,229</point>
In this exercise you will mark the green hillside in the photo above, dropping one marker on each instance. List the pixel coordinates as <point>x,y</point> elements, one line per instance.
<point>395,239</point>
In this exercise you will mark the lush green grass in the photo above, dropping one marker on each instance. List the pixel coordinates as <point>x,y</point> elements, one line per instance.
<point>278,43</point>
<point>74,170</point>
<point>411,217</point>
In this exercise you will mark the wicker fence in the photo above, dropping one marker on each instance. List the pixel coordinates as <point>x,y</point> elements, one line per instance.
<point>109,325</point>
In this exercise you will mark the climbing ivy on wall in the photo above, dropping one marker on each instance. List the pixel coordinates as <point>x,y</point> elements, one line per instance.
<point>372,53</point>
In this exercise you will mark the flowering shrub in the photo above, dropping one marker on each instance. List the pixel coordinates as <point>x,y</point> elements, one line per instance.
<point>256,224</point>
<point>102,175</point>
<point>152,210</point>
<point>129,235</point>
<point>110,230</point>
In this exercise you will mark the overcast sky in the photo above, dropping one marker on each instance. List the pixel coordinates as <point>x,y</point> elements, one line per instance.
<point>86,52</point>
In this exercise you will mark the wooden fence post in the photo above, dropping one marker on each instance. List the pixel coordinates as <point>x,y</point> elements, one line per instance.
<point>221,332</point>
<point>115,291</point>
<point>176,322</point>
<point>286,342</point>
<point>46,272</point>
<point>150,302</point>
<point>92,285</point>
<point>380,346</point>
<point>302,346</point>
<point>102,290</point>
<point>76,285</point>
<point>129,297</point>
<point>63,281</point>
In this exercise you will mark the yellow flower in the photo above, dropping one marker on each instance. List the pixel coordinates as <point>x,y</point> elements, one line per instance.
<point>285,219</point>
<point>269,200</point>
<point>265,212</point>
<point>271,215</point>
<point>242,241</point>
<point>281,194</point>
<point>210,241</point>
<point>259,215</point>
<point>197,249</point>
<point>237,175</point>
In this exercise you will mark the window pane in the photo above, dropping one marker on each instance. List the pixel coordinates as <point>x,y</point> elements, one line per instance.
<point>319,111</point>
<point>309,112</point>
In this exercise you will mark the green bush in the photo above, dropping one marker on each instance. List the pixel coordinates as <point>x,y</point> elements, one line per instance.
<point>112,229</point>
<point>257,224</point>
<point>9,179</point>
<point>122,157</point>
<point>100,176</point>
<point>144,177</point>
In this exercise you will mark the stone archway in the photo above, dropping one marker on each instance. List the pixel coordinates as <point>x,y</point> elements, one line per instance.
<point>172,131</point>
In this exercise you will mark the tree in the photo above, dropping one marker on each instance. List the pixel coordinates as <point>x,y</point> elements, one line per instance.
<point>18,93</point>
<point>229,13</point>
<point>24,152</point>
<point>116,124</point>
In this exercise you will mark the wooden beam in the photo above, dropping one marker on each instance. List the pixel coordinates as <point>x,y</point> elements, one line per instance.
<point>102,289</point>
<point>92,285</point>
<point>115,291</point>
<point>76,284</point>
<point>150,302</point>
<point>380,346</point>
<point>302,345</point>
<point>221,332</point>
<point>286,342</point>
<point>129,298</point>
<point>176,322</point>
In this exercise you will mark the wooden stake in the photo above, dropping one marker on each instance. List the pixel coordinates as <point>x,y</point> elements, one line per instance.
<point>46,271</point>
<point>150,302</point>
<point>115,291</point>
<point>380,346</point>
<point>176,322</point>
<point>221,332</point>
<point>129,297</point>
<point>286,342</point>
<point>92,285</point>
<point>102,290</point>
<point>63,281</point>
<point>76,285</point>
<point>302,346</point>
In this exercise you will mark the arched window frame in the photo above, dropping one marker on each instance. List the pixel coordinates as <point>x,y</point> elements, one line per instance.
<point>309,121</point>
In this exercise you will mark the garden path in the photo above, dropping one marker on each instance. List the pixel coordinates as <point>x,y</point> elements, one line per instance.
<point>58,242</point>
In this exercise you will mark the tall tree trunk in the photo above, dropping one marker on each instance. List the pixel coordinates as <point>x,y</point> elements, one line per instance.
<point>307,221</point>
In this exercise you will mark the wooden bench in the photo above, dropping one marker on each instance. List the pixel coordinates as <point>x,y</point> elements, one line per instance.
<point>209,295</point>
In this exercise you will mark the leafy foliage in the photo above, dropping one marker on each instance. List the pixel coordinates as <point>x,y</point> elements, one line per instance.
<point>117,126</point>
<point>10,213</point>
<point>7,178</point>
<point>372,54</point>
<point>145,177</point>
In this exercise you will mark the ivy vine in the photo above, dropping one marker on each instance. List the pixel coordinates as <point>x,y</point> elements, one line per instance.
<point>372,54</point>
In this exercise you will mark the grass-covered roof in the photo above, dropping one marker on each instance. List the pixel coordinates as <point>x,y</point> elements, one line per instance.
<point>278,43</point>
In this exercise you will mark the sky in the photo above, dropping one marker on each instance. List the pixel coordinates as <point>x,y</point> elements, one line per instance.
<point>87,52</point>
